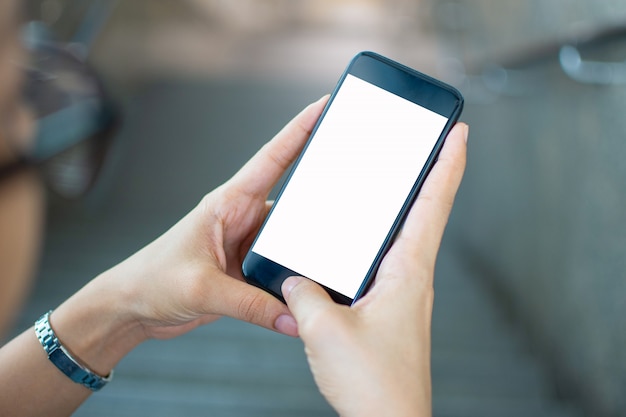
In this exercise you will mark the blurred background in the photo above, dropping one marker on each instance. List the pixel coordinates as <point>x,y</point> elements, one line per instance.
<point>530,315</point>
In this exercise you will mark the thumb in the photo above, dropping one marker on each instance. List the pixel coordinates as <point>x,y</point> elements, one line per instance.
<point>304,298</point>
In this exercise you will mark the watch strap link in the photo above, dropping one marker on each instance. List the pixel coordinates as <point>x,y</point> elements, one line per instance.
<point>63,360</point>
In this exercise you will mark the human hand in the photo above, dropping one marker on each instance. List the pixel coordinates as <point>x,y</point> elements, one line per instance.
<point>191,275</point>
<point>199,260</point>
<point>373,359</point>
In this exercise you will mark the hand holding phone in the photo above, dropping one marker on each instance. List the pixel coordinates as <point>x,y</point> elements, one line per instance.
<point>374,358</point>
<point>352,186</point>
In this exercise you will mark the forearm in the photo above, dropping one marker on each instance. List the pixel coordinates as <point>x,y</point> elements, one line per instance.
<point>31,384</point>
<point>92,326</point>
<point>20,221</point>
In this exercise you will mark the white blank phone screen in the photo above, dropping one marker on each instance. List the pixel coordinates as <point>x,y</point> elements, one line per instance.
<point>350,185</point>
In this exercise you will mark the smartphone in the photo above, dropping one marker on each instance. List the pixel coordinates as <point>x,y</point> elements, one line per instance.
<point>350,189</point>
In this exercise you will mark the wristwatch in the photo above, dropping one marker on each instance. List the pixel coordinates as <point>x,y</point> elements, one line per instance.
<point>63,360</point>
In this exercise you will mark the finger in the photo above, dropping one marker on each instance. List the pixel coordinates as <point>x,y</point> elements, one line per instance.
<point>245,302</point>
<point>305,298</point>
<point>423,229</point>
<point>262,172</point>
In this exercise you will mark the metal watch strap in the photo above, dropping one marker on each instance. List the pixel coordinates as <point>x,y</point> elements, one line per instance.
<point>63,360</point>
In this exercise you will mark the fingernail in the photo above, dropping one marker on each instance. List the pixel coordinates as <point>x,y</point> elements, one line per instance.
<point>466,133</point>
<point>286,324</point>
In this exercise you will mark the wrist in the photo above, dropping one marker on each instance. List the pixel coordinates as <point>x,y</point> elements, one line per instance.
<point>96,326</point>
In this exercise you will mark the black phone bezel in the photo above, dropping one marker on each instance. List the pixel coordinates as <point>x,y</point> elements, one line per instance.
<point>402,81</point>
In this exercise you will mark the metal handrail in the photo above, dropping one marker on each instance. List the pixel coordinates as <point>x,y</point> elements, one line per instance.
<point>591,72</point>
<point>511,77</point>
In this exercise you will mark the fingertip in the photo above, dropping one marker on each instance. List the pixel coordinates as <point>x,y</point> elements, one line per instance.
<point>464,131</point>
<point>455,149</point>
<point>304,297</point>
<point>287,325</point>
<point>288,285</point>
<point>320,101</point>
<point>461,130</point>
<point>311,114</point>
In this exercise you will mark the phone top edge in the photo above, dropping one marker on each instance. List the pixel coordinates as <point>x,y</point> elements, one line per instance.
<point>406,68</point>
<point>405,82</point>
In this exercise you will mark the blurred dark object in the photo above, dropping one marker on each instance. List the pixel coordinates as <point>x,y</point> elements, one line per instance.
<point>76,119</point>
<point>71,21</point>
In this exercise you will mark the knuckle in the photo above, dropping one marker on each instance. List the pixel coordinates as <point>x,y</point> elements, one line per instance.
<point>253,308</point>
